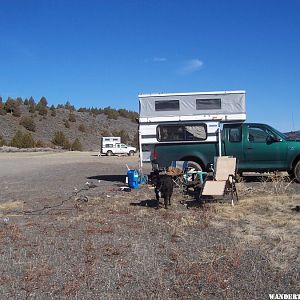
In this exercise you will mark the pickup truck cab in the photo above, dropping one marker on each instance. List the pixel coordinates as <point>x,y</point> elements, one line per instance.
<point>258,148</point>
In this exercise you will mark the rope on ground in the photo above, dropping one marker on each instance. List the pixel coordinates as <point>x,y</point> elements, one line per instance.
<point>45,210</point>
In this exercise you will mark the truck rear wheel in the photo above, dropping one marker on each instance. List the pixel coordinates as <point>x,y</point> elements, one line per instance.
<point>194,165</point>
<point>296,172</point>
<point>109,153</point>
<point>131,153</point>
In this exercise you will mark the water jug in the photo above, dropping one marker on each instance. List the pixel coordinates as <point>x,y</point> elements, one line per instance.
<point>133,178</point>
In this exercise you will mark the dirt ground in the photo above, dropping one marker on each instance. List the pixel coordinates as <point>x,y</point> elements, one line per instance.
<point>62,238</point>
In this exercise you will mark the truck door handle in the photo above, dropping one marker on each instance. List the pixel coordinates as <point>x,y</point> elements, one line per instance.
<point>249,148</point>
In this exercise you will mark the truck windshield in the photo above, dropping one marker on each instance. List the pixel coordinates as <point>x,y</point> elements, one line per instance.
<point>282,135</point>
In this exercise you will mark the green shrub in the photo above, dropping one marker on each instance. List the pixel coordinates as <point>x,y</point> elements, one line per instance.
<point>43,102</point>
<point>76,146</point>
<point>72,117</point>
<point>53,111</point>
<point>40,144</point>
<point>2,110</point>
<point>67,144</point>
<point>111,113</point>
<point>28,123</point>
<point>135,141</point>
<point>17,112</point>
<point>22,140</point>
<point>81,128</point>
<point>69,106</point>
<point>43,110</point>
<point>2,141</point>
<point>31,105</point>
<point>10,105</point>
<point>66,123</point>
<point>61,140</point>
<point>105,132</point>
<point>123,134</point>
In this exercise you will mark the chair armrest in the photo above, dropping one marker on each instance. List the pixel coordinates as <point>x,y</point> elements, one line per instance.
<point>232,178</point>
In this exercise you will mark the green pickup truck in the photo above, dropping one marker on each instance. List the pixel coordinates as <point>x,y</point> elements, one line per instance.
<point>258,148</point>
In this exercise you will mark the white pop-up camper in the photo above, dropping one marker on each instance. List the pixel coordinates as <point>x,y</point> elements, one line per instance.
<point>200,115</point>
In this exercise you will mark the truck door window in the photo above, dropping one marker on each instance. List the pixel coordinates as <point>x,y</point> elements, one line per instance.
<point>235,134</point>
<point>257,135</point>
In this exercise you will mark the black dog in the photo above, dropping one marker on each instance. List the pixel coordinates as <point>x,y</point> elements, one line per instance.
<point>163,187</point>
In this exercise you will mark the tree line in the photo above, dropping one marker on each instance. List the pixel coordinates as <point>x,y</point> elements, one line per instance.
<point>12,106</point>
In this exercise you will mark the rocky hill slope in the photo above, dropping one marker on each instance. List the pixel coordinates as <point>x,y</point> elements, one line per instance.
<point>41,123</point>
<point>86,126</point>
<point>294,135</point>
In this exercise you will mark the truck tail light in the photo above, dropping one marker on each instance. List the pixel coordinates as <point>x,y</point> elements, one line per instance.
<point>154,153</point>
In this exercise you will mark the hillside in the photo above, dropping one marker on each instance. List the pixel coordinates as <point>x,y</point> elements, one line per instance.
<point>87,124</point>
<point>88,127</point>
<point>294,135</point>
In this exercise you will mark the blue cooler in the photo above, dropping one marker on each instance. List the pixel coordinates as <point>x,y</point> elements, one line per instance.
<point>133,179</point>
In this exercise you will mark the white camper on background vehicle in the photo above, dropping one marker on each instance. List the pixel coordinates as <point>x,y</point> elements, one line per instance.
<point>111,145</point>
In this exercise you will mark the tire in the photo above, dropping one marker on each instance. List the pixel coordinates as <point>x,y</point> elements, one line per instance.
<point>296,171</point>
<point>291,174</point>
<point>194,165</point>
<point>131,153</point>
<point>239,177</point>
<point>109,153</point>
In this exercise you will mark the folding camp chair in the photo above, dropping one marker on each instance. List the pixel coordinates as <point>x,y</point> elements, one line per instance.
<point>223,180</point>
<point>177,171</point>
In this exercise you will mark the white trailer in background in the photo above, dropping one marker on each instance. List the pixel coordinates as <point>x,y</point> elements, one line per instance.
<point>199,115</point>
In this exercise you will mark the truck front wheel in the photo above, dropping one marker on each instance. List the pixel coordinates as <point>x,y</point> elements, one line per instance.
<point>109,153</point>
<point>297,172</point>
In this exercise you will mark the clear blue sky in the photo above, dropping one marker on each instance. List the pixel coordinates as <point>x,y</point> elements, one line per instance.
<point>104,53</point>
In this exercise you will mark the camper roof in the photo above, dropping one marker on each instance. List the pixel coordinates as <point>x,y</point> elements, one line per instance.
<point>226,105</point>
<point>191,94</point>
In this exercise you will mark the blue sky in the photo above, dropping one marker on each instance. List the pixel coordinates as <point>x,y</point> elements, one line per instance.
<point>104,53</point>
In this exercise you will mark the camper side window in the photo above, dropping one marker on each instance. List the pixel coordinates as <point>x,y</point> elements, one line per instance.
<point>188,132</point>
<point>169,105</point>
<point>207,104</point>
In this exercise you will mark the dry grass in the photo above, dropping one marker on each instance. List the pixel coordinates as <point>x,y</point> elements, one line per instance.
<point>121,247</point>
<point>267,223</point>
<point>268,184</point>
<point>10,206</point>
